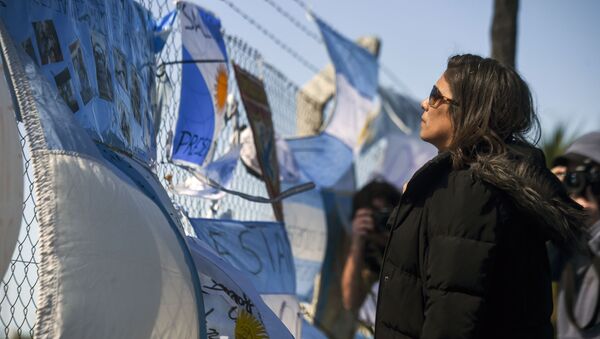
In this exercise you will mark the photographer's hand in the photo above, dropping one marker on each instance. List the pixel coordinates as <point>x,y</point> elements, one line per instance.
<point>362,225</point>
<point>353,289</point>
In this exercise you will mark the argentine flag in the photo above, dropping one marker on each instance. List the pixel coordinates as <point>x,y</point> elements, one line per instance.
<point>324,158</point>
<point>203,86</point>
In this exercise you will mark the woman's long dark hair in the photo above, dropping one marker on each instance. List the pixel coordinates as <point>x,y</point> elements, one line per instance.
<point>494,107</point>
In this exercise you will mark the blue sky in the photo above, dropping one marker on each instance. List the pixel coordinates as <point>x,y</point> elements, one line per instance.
<point>558,49</point>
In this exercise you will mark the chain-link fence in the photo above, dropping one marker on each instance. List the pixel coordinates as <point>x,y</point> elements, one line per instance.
<point>19,286</point>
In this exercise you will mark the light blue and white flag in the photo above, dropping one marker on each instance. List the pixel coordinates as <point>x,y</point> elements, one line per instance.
<point>356,78</point>
<point>306,226</point>
<point>234,308</point>
<point>356,86</point>
<point>204,86</point>
<point>162,30</point>
<point>396,129</point>
<point>114,262</point>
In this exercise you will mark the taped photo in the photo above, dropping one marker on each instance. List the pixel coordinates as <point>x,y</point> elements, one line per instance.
<point>47,41</point>
<point>28,47</point>
<point>103,77</point>
<point>86,90</point>
<point>65,89</point>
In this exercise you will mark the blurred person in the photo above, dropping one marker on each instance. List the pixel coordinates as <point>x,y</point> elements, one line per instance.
<point>466,256</point>
<point>371,208</point>
<point>579,274</point>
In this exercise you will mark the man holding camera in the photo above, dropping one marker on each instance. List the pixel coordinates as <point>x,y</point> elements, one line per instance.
<point>371,207</point>
<point>579,298</point>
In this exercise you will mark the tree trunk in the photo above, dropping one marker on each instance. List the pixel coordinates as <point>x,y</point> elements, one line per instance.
<point>504,31</point>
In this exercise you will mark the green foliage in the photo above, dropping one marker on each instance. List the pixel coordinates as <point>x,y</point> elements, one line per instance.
<point>556,144</point>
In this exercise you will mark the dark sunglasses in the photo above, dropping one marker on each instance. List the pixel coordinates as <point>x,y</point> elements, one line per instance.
<point>577,181</point>
<point>436,98</point>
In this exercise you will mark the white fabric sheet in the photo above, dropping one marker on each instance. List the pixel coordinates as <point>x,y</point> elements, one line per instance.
<point>119,270</point>
<point>11,176</point>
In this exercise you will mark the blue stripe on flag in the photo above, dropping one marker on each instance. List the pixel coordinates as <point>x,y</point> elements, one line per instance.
<point>196,122</point>
<point>322,158</point>
<point>357,64</point>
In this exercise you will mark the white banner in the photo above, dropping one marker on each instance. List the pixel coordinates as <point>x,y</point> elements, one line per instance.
<point>260,249</point>
<point>11,176</point>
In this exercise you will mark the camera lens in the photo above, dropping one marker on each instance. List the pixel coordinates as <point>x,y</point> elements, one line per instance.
<point>574,182</point>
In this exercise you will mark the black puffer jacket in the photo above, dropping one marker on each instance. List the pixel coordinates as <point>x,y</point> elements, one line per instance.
<point>466,256</point>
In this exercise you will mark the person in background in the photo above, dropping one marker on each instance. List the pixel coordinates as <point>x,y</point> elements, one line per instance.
<point>467,254</point>
<point>371,208</point>
<point>578,312</point>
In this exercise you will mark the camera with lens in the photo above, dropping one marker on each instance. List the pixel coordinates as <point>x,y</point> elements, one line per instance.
<point>380,219</point>
<point>583,176</point>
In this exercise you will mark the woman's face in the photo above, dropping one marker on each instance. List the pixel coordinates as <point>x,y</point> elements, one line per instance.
<point>436,125</point>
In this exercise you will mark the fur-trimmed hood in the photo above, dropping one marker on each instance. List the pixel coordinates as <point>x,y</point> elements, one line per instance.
<point>522,174</point>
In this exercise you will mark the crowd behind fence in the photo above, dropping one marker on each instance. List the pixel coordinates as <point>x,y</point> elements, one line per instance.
<point>19,286</point>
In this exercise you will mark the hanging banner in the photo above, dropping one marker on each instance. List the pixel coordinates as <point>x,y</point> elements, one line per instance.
<point>234,308</point>
<point>356,79</point>
<point>120,266</point>
<point>254,98</point>
<point>402,156</point>
<point>397,113</point>
<point>204,77</point>
<point>98,56</point>
<point>330,313</point>
<point>356,76</point>
<point>260,249</point>
<point>307,229</point>
<point>397,126</point>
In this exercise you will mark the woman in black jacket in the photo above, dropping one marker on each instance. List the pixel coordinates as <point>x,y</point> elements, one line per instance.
<point>466,256</point>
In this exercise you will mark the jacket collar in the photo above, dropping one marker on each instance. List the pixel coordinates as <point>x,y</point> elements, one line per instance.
<point>432,169</point>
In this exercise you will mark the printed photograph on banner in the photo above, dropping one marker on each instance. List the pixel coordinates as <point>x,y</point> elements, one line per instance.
<point>120,69</point>
<point>135,95</point>
<point>65,89</point>
<point>47,42</point>
<point>254,98</point>
<point>86,90</point>
<point>125,128</point>
<point>103,77</point>
<point>28,47</point>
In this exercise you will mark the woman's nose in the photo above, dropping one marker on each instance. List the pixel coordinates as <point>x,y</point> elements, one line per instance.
<point>425,104</point>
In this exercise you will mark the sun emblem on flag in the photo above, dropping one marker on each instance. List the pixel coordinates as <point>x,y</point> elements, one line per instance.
<point>221,88</point>
<point>248,327</point>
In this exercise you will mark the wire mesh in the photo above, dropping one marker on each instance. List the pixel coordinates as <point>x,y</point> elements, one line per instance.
<point>19,294</point>
<point>19,286</point>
